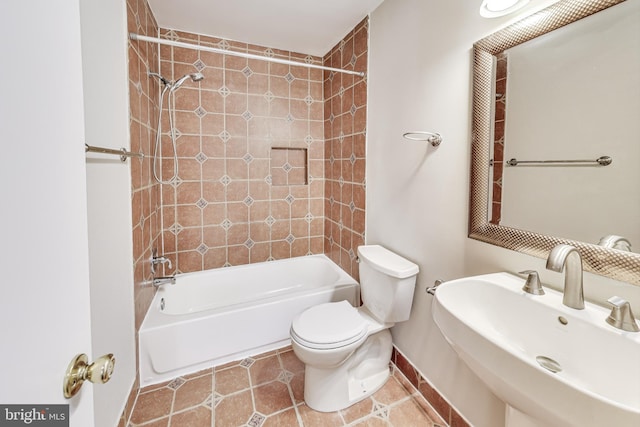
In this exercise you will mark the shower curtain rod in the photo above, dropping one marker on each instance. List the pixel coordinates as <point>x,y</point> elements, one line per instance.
<point>134,36</point>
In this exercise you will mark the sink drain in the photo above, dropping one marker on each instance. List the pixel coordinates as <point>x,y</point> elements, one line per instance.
<point>549,364</point>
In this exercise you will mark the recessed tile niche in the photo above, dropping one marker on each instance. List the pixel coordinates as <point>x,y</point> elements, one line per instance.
<point>288,166</point>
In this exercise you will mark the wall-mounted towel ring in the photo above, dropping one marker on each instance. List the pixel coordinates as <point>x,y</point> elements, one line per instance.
<point>432,137</point>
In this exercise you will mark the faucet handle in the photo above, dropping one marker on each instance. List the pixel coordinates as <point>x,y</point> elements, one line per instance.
<point>621,316</point>
<point>532,285</point>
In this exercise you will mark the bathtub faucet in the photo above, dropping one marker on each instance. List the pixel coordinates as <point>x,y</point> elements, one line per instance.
<point>155,260</point>
<point>159,281</point>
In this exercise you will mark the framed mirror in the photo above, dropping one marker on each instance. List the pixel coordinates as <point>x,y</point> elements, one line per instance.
<point>485,222</point>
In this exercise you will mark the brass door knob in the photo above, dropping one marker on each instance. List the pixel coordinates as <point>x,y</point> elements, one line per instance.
<point>79,371</point>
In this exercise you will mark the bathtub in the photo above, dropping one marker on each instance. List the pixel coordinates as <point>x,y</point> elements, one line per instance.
<point>216,316</point>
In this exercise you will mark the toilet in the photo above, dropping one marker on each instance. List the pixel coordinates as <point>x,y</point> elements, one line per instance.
<point>347,350</point>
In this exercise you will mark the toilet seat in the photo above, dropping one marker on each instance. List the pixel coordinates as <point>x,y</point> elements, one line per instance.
<point>329,325</point>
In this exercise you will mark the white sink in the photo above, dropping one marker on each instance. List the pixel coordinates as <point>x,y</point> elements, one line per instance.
<point>504,334</point>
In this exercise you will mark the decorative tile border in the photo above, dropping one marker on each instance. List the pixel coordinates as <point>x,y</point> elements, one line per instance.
<point>446,411</point>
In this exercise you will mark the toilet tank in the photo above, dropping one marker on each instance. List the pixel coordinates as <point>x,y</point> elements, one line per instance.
<point>387,282</point>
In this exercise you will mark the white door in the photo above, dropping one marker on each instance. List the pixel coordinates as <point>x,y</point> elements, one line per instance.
<point>44,304</point>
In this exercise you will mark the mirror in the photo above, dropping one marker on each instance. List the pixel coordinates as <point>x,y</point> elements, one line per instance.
<point>485,224</point>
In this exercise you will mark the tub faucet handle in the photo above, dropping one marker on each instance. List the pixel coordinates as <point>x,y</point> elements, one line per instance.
<point>532,285</point>
<point>161,260</point>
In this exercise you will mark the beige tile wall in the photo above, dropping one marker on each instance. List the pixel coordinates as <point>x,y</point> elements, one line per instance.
<point>226,209</point>
<point>345,113</point>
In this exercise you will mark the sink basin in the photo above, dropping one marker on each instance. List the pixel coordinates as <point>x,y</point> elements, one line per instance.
<point>551,364</point>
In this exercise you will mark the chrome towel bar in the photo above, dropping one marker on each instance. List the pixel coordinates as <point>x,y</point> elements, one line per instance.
<point>123,153</point>
<point>600,161</point>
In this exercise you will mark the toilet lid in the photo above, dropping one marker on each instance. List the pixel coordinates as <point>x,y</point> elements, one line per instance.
<point>329,325</point>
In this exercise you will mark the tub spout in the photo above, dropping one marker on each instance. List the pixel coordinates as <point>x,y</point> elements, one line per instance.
<point>159,281</point>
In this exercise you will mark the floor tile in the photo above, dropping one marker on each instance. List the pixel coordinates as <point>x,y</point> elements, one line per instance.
<point>267,390</point>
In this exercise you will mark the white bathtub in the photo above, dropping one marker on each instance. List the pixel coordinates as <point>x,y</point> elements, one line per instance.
<point>217,316</point>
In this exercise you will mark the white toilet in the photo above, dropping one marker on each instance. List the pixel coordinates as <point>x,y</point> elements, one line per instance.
<point>347,350</point>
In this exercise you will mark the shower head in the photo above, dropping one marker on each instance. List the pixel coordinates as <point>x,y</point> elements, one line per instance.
<point>196,77</point>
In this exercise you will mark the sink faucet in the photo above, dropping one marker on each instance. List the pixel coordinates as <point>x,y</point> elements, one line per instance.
<point>567,258</point>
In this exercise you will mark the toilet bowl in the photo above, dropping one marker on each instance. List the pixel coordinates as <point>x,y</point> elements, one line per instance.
<point>347,350</point>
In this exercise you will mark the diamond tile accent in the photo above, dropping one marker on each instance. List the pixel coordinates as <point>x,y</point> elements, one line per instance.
<point>199,65</point>
<point>225,180</point>
<point>256,420</point>
<point>175,228</point>
<point>331,200</point>
<point>268,179</point>
<point>289,77</point>
<point>217,399</point>
<point>248,158</point>
<point>200,112</point>
<point>270,220</point>
<point>224,136</point>
<point>224,91</point>
<point>341,91</point>
<point>176,383</point>
<point>223,44</point>
<point>352,206</point>
<point>308,100</point>
<point>248,201</point>
<point>308,139</point>
<point>227,264</point>
<point>331,75</point>
<point>308,217</point>
<point>289,118</point>
<point>341,137</point>
<point>176,133</point>
<point>201,157</point>
<point>352,254</point>
<point>353,60</point>
<point>308,59</point>
<point>381,411</point>
<point>342,43</point>
<point>331,118</point>
<point>271,258</point>
<point>247,115</point>
<point>249,243</point>
<point>138,24</point>
<point>202,203</point>
<point>247,362</point>
<point>268,52</point>
<point>171,35</point>
<point>341,181</point>
<point>175,183</point>
<point>285,376</point>
<point>287,167</point>
<point>353,110</point>
<point>290,238</point>
<point>268,96</point>
<point>247,71</point>
<point>209,402</point>
<point>138,88</point>
<point>202,249</point>
<point>289,199</point>
<point>352,158</point>
<point>226,224</point>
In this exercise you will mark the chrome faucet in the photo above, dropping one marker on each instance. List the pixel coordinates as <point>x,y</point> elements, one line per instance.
<point>155,260</point>
<point>621,316</point>
<point>567,258</point>
<point>159,281</point>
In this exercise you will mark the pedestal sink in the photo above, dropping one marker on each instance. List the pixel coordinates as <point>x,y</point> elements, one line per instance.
<point>552,365</point>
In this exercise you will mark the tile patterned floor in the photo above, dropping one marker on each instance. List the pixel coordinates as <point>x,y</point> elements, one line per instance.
<point>267,391</point>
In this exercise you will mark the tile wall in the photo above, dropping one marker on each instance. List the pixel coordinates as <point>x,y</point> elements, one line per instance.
<point>345,124</point>
<point>145,192</point>
<point>498,137</point>
<point>250,155</point>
